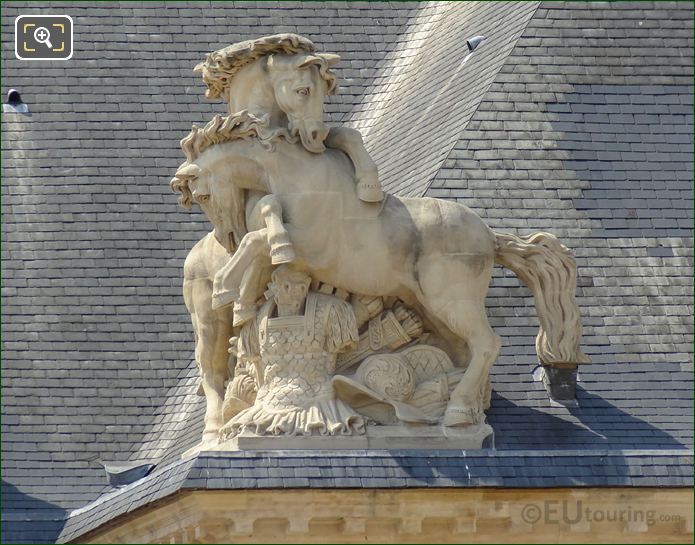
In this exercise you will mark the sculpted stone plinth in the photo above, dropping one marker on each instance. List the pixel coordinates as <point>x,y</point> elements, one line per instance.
<point>353,314</point>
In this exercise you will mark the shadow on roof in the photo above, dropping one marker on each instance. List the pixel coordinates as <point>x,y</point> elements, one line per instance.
<point>594,424</point>
<point>27,519</point>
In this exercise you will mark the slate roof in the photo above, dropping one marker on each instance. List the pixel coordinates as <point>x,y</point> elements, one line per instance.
<point>408,104</point>
<point>587,132</point>
<point>387,469</point>
<point>574,118</point>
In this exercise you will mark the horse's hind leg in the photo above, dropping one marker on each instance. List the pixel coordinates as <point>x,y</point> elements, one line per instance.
<point>212,332</point>
<point>455,294</point>
<point>471,396</point>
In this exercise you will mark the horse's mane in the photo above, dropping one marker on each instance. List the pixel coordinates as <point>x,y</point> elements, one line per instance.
<point>220,66</point>
<point>240,126</point>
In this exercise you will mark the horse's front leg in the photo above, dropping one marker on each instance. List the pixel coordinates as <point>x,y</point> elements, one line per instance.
<point>228,280</point>
<point>253,283</point>
<point>281,249</point>
<point>350,141</point>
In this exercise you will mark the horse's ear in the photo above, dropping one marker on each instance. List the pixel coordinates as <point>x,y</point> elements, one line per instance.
<point>307,60</point>
<point>331,58</point>
<point>268,65</point>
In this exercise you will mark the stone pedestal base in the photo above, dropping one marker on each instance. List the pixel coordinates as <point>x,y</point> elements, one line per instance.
<point>377,437</point>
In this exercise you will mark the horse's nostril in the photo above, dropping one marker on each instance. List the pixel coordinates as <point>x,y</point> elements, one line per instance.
<point>314,135</point>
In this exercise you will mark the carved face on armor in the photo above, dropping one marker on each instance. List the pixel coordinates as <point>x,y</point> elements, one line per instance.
<point>289,289</point>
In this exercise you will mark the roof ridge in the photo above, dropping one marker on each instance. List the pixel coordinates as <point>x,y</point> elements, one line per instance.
<point>386,63</point>
<point>482,97</point>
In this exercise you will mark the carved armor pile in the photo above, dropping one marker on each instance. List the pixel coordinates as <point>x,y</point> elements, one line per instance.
<point>297,356</point>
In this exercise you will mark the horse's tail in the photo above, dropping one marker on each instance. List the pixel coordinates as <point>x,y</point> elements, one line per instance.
<point>548,269</point>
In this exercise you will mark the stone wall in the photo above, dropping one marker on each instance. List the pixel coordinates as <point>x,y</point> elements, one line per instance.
<point>559,515</point>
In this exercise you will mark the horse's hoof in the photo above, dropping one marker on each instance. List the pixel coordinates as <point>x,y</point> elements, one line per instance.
<point>224,299</point>
<point>369,187</point>
<point>369,193</point>
<point>242,315</point>
<point>282,254</point>
<point>459,416</point>
<point>210,438</point>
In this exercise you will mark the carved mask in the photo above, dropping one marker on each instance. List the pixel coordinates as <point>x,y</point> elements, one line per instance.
<point>289,290</point>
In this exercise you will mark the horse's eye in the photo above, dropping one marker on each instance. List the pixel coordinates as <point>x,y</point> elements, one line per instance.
<point>303,91</point>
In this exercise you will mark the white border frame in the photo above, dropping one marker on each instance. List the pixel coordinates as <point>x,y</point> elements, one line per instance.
<point>16,36</point>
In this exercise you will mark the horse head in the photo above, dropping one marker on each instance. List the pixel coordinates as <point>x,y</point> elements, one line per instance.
<point>281,76</point>
<point>300,84</point>
<point>219,173</point>
<point>197,185</point>
<point>216,181</point>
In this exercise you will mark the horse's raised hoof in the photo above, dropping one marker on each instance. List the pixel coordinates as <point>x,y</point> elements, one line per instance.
<point>284,253</point>
<point>242,315</point>
<point>224,299</point>
<point>461,416</point>
<point>370,194</point>
<point>369,188</point>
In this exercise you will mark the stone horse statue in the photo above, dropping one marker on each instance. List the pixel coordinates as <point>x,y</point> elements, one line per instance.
<point>281,80</point>
<point>261,189</point>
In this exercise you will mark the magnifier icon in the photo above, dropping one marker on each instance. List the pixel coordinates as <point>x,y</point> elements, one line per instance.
<point>43,36</point>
